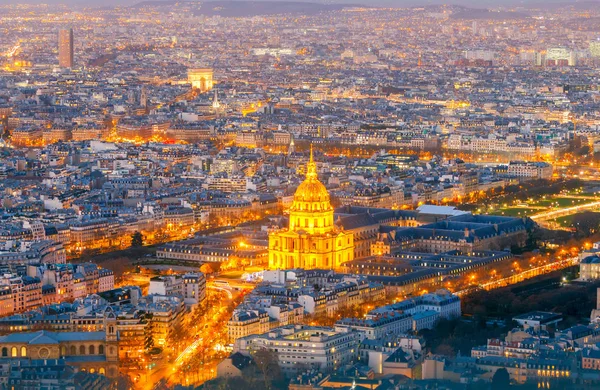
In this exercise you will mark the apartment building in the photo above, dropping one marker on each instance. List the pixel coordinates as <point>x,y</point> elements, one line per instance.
<point>300,347</point>
<point>191,287</point>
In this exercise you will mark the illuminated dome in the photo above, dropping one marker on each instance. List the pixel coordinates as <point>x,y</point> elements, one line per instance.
<point>311,194</point>
<point>311,210</point>
<point>311,191</point>
<point>312,239</point>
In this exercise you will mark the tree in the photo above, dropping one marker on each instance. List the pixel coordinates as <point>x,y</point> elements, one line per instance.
<point>205,269</point>
<point>583,151</point>
<point>210,268</point>
<point>123,382</point>
<point>501,379</point>
<point>137,239</point>
<point>232,263</point>
<point>586,223</point>
<point>198,314</point>
<point>534,236</point>
<point>176,335</point>
<point>267,365</point>
<point>446,350</point>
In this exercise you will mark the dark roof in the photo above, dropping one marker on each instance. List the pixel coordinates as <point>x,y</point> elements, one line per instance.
<point>50,230</point>
<point>357,221</point>
<point>542,316</point>
<point>594,259</point>
<point>240,361</point>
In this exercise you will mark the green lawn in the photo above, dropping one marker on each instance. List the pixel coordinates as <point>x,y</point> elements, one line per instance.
<point>537,206</point>
<point>566,220</point>
<point>514,211</point>
<point>561,202</point>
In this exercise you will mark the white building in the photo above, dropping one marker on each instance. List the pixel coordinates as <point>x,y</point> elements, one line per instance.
<point>300,347</point>
<point>106,280</point>
<point>532,170</point>
<point>595,48</point>
<point>233,183</point>
<point>561,55</point>
<point>424,311</point>
<point>279,276</point>
<point>191,287</point>
<point>272,51</point>
<point>425,320</point>
<point>589,267</point>
<point>485,55</point>
<point>393,323</point>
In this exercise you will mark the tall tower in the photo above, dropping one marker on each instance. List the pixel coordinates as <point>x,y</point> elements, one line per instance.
<point>65,48</point>
<point>110,325</point>
<point>144,97</point>
<point>216,105</point>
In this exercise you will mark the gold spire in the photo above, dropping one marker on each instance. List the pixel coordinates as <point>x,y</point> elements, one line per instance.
<point>311,167</point>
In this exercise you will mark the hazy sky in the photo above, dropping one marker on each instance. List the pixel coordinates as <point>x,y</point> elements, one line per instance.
<point>399,3</point>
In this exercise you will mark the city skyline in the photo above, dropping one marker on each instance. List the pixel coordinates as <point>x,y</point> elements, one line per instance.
<point>297,195</point>
<point>376,3</point>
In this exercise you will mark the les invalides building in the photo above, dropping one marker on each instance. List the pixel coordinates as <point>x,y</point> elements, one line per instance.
<point>312,239</point>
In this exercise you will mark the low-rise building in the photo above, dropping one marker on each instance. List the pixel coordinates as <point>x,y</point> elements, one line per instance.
<point>530,170</point>
<point>191,287</point>
<point>95,352</point>
<point>247,322</point>
<point>590,359</point>
<point>392,323</point>
<point>589,268</point>
<point>300,347</point>
<point>538,320</point>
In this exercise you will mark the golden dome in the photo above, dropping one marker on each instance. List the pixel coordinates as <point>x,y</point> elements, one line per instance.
<point>311,189</point>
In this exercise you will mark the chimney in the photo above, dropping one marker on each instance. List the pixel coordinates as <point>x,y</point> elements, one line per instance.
<point>466,232</point>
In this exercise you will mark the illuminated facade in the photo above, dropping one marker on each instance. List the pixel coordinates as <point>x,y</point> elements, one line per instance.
<point>201,79</point>
<point>312,239</point>
<point>94,352</point>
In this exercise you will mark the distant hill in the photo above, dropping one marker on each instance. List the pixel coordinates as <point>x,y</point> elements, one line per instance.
<point>539,4</point>
<point>232,8</point>
<point>454,8</point>
<point>574,5</point>
<point>488,15</point>
<point>257,8</point>
<point>584,24</point>
<point>157,3</point>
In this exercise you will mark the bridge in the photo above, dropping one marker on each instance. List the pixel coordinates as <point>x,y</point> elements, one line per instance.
<point>527,274</point>
<point>542,218</point>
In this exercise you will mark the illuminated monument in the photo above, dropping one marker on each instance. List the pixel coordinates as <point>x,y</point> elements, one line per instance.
<point>201,79</point>
<point>312,239</point>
